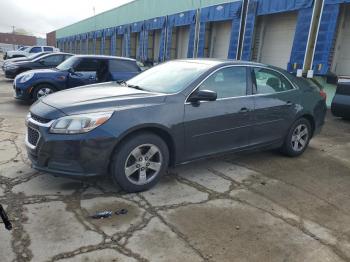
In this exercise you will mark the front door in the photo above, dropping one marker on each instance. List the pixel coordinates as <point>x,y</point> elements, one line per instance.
<point>224,124</point>
<point>275,105</point>
<point>84,73</point>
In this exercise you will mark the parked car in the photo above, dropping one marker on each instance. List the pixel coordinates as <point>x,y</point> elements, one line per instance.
<point>47,61</point>
<point>29,50</point>
<point>341,101</point>
<point>76,71</point>
<point>20,59</point>
<point>175,112</point>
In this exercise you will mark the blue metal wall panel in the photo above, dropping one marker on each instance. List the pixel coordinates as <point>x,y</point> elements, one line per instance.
<point>247,45</point>
<point>300,40</point>
<point>278,6</point>
<point>229,11</point>
<point>337,1</point>
<point>325,38</point>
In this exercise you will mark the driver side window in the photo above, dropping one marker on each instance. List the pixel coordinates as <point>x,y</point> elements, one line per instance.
<point>87,65</point>
<point>227,82</point>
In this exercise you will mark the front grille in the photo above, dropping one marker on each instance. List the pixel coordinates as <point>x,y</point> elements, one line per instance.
<point>33,136</point>
<point>39,119</point>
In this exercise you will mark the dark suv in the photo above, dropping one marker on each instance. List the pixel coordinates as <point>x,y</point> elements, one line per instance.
<point>170,114</point>
<point>76,71</point>
<point>42,62</point>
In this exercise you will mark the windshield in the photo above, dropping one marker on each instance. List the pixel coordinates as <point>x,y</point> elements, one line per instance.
<point>67,64</point>
<point>170,77</point>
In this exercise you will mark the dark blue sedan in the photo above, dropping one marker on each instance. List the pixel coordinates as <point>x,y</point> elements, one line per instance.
<point>76,71</point>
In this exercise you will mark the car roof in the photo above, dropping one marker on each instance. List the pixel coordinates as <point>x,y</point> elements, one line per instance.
<point>222,62</point>
<point>107,57</point>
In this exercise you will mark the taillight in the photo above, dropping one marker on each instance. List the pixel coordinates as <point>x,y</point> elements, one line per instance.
<point>323,94</point>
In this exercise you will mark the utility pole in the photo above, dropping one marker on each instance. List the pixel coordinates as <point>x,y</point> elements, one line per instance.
<point>13,37</point>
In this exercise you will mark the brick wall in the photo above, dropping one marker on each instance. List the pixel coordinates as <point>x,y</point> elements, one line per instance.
<point>51,38</point>
<point>15,39</point>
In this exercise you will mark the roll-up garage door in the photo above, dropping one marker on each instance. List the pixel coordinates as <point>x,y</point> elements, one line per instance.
<point>107,46</point>
<point>119,45</point>
<point>183,36</point>
<point>98,46</point>
<point>220,39</point>
<point>133,45</point>
<point>341,62</point>
<point>277,39</point>
<point>91,46</point>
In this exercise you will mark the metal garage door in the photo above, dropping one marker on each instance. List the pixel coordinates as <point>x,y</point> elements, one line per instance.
<point>277,39</point>
<point>220,39</point>
<point>341,63</point>
<point>119,45</point>
<point>156,40</point>
<point>107,46</point>
<point>183,36</point>
<point>98,46</point>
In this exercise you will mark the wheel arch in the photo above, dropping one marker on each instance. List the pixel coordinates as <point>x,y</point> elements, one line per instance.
<point>158,130</point>
<point>43,83</point>
<point>311,119</point>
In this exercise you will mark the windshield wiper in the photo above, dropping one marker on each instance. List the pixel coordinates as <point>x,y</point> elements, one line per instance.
<point>124,83</point>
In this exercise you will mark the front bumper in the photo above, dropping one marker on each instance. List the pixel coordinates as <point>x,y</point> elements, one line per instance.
<point>82,155</point>
<point>11,74</point>
<point>22,92</point>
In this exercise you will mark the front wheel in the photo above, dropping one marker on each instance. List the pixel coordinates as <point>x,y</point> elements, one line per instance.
<point>298,138</point>
<point>139,162</point>
<point>42,91</point>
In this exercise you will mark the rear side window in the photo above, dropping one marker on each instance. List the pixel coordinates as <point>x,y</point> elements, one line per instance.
<point>87,65</point>
<point>269,81</point>
<point>49,49</point>
<point>53,60</point>
<point>35,49</point>
<point>123,66</point>
<point>227,82</point>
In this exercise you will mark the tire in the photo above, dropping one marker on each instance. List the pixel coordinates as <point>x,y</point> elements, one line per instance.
<point>42,90</point>
<point>298,138</point>
<point>131,166</point>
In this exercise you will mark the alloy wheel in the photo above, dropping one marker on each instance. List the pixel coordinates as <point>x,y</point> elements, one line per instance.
<point>300,137</point>
<point>44,92</point>
<point>143,164</point>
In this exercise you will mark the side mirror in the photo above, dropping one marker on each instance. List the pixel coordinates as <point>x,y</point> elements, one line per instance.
<point>203,95</point>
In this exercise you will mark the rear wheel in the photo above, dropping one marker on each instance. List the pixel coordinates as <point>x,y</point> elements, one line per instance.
<point>42,91</point>
<point>139,162</point>
<point>298,138</point>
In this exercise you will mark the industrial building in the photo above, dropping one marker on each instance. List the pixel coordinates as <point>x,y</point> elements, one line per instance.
<point>292,34</point>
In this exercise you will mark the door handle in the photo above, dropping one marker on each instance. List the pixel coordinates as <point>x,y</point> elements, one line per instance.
<point>244,110</point>
<point>92,78</point>
<point>290,103</point>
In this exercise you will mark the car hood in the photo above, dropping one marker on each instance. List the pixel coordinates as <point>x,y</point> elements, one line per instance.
<point>101,97</point>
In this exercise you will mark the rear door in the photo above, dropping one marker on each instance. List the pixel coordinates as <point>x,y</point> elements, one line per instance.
<point>275,105</point>
<point>224,124</point>
<point>123,69</point>
<point>50,61</point>
<point>84,73</point>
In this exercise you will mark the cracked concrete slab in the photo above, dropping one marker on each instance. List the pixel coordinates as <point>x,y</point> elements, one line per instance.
<point>2,190</point>
<point>237,173</point>
<point>54,230</point>
<point>114,224</point>
<point>202,176</point>
<point>225,230</point>
<point>8,151</point>
<point>100,256</point>
<point>48,185</point>
<point>15,169</point>
<point>171,192</point>
<point>156,242</point>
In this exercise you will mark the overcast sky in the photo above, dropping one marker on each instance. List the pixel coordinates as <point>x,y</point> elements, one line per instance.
<point>42,16</point>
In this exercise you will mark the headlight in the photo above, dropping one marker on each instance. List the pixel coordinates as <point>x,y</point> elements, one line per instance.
<point>78,124</point>
<point>26,77</point>
<point>10,67</point>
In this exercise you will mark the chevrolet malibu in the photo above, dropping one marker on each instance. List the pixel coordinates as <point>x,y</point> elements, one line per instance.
<point>173,113</point>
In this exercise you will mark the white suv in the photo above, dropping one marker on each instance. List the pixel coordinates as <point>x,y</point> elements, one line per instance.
<point>29,50</point>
